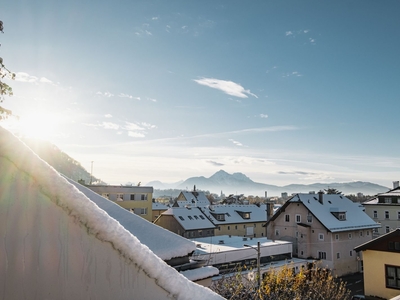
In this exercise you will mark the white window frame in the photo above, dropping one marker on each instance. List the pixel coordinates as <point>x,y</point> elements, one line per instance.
<point>298,218</point>
<point>350,236</point>
<point>321,236</point>
<point>287,218</point>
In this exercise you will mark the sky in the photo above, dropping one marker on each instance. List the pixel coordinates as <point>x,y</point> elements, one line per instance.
<point>282,91</point>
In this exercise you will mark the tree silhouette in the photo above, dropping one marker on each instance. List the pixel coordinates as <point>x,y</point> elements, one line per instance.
<point>5,89</point>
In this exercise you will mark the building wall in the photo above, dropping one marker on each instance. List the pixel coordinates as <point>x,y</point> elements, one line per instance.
<point>46,253</point>
<point>390,223</point>
<point>315,241</point>
<point>241,229</point>
<point>374,273</point>
<point>168,222</point>
<point>122,195</point>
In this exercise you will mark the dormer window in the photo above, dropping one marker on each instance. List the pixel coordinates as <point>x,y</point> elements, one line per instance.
<point>219,217</point>
<point>340,215</point>
<point>244,214</point>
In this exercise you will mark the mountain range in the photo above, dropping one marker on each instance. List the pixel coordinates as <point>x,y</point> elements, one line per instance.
<point>239,183</point>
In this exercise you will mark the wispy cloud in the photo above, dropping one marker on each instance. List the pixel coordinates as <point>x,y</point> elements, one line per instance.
<point>214,163</point>
<point>152,99</point>
<point>108,116</point>
<point>228,87</point>
<point>109,125</point>
<point>294,73</point>
<point>105,94</point>
<point>264,116</point>
<point>236,142</point>
<point>288,33</point>
<point>25,77</point>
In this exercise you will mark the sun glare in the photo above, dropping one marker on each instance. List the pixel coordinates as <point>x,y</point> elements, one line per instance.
<point>36,125</point>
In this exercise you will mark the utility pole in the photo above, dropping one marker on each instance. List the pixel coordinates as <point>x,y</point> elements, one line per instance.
<point>91,173</point>
<point>258,262</point>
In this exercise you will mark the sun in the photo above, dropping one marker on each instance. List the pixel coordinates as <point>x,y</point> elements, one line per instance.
<point>36,125</point>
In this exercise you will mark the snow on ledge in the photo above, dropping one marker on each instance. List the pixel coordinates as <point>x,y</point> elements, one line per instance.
<point>97,221</point>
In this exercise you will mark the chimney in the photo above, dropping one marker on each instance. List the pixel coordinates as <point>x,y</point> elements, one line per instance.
<point>395,184</point>
<point>270,209</point>
<point>321,197</point>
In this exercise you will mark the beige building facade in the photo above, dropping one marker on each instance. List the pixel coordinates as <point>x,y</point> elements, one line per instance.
<point>381,261</point>
<point>137,199</point>
<point>324,227</point>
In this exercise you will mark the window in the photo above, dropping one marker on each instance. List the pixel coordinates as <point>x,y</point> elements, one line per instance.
<point>387,229</point>
<point>140,211</point>
<point>338,255</point>
<point>375,214</point>
<point>200,232</point>
<point>321,255</point>
<point>244,226</point>
<point>361,233</point>
<point>287,218</point>
<point>350,236</point>
<point>387,214</point>
<point>106,195</point>
<point>321,236</point>
<point>297,234</point>
<point>120,197</point>
<point>201,217</point>
<point>398,215</point>
<point>132,197</point>
<point>235,227</point>
<point>255,225</point>
<point>276,232</point>
<point>392,276</point>
<point>367,232</point>
<point>336,236</point>
<point>229,227</point>
<point>228,214</point>
<point>143,197</point>
<point>394,246</point>
<point>298,218</point>
<point>342,216</point>
<point>388,200</point>
<point>351,252</point>
<point>309,218</point>
<point>180,217</point>
<point>190,217</point>
<point>196,217</point>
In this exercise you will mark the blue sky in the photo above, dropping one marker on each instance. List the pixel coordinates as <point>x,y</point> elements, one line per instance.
<point>282,91</point>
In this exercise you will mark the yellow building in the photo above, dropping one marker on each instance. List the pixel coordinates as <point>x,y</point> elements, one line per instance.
<point>381,264</point>
<point>137,199</point>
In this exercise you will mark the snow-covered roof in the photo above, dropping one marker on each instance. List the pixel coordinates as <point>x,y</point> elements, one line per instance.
<point>159,206</point>
<point>200,273</point>
<point>193,198</point>
<point>97,221</point>
<point>233,213</point>
<point>392,193</point>
<point>355,218</point>
<point>224,243</point>
<point>162,242</point>
<point>190,218</point>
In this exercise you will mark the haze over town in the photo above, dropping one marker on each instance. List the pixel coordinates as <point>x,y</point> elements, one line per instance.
<point>282,91</point>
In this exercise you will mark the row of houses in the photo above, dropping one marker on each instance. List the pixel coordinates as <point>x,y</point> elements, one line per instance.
<point>325,227</point>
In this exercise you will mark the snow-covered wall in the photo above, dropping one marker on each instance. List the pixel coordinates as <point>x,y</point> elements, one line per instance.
<point>55,243</point>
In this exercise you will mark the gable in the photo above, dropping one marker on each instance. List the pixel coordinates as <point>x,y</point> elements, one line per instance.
<point>389,242</point>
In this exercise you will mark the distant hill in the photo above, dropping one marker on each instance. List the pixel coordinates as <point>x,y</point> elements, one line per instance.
<point>59,160</point>
<point>238,183</point>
